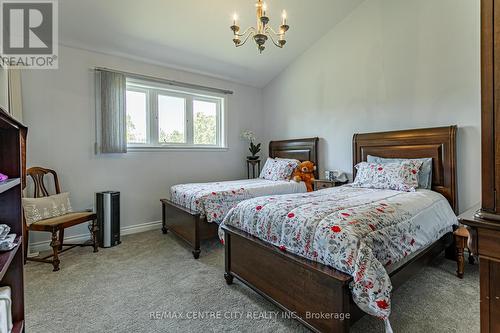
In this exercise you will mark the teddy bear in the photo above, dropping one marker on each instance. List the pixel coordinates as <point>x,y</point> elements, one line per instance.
<point>305,173</point>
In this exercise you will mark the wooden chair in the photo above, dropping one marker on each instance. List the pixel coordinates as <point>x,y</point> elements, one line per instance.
<point>56,225</point>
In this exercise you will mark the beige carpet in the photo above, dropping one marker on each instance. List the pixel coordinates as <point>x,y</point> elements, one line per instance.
<point>117,289</point>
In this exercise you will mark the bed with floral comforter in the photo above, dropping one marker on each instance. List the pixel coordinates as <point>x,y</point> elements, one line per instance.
<point>361,232</point>
<point>214,200</point>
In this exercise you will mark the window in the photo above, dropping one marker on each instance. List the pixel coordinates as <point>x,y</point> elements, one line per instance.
<point>137,117</point>
<point>160,116</point>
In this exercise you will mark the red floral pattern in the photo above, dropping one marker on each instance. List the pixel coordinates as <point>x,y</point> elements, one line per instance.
<point>400,176</point>
<point>278,169</point>
<point>356,230</point>
<point>215,200</point>
<point>336,228</point>
<point>382,304</point>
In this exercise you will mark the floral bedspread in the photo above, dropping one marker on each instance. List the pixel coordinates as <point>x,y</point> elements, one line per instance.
<point>359,231</point>
<point>215,200</point>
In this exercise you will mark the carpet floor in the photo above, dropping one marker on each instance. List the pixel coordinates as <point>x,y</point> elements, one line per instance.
<point>151,283</point>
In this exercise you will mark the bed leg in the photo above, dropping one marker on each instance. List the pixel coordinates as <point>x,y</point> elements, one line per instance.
<point>164,228</point>
<point>450,250</point>
<point>197,251</point>
<point>471,259</point>
<point>227,259</point>
<point>229,278</point>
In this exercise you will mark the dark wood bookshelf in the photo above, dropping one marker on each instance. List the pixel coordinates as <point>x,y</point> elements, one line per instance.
<point>13,164</point>
<point>7,257</point>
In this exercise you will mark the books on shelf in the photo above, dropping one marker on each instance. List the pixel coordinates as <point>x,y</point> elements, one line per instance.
<point>7,240</point>
<point>4,231</point>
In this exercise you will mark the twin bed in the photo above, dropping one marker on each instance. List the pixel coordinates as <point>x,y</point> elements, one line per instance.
<point>194,211</point>
<point>321,230</point>
<point>332,255</point>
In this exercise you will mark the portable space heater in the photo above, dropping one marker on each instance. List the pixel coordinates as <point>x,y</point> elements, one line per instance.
<point>108,218</point>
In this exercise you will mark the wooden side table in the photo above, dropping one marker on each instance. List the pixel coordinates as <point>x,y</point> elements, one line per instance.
<point>253,164</point>
<point>319,184</point>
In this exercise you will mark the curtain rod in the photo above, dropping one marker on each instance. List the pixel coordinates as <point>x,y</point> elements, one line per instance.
<point>165,81</point>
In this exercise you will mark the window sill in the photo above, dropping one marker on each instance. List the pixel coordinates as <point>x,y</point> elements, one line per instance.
<point>132,149</point>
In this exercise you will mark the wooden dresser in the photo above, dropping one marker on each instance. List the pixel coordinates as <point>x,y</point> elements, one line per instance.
<point>485,242</point>
<point>484,221</point>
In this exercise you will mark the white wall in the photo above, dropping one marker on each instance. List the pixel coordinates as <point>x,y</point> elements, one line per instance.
<point>59,111</point>
<point>4,89</point>
<point>392,64</point>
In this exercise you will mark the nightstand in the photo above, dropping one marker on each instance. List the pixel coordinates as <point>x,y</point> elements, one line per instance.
<point>319,184</point>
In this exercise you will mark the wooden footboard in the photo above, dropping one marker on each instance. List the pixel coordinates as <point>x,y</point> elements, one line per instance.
<point>314,294</point>
<point>317,295</point>
<point>187,225</point>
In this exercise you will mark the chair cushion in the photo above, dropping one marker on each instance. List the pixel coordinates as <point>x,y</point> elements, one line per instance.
<point>36,209</point>
<point>66,218</point>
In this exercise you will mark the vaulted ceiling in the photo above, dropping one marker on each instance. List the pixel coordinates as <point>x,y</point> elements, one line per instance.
<point>195,34</point>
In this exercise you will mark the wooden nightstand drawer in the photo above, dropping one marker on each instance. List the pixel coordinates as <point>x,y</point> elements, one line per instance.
<point>488,243</point>
<point>321,185</point>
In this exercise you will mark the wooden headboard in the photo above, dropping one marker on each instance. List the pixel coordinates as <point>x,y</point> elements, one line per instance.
<point>299,149</point>
<point>438,143</point>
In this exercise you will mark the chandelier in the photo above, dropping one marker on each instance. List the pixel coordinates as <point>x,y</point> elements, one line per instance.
<point>262,32</point>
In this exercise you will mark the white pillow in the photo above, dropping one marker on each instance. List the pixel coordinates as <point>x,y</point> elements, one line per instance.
<point>37,209</point>
<point>399,176</point>
<point>424,174</point>
<point>292,160</point>
<point>278,169</point>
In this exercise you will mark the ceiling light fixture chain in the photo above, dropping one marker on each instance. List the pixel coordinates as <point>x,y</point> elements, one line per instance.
<point>262,32</point>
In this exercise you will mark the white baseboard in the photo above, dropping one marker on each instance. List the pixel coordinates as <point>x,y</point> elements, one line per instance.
<point>129,230</point>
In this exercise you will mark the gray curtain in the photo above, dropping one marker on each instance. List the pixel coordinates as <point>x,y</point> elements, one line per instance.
<point>4,89</point>
<point>112,91</point>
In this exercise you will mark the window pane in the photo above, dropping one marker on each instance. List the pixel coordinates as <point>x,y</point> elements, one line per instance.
<point>171,119</point>
<point>136,117</point>
<point>205,123</point>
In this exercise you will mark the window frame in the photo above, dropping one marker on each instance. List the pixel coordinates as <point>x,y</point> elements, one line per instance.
<point>153,91</point>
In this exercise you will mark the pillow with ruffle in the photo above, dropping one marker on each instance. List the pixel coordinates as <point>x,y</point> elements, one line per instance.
<point>278,169</point>
<point>402,176</point>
